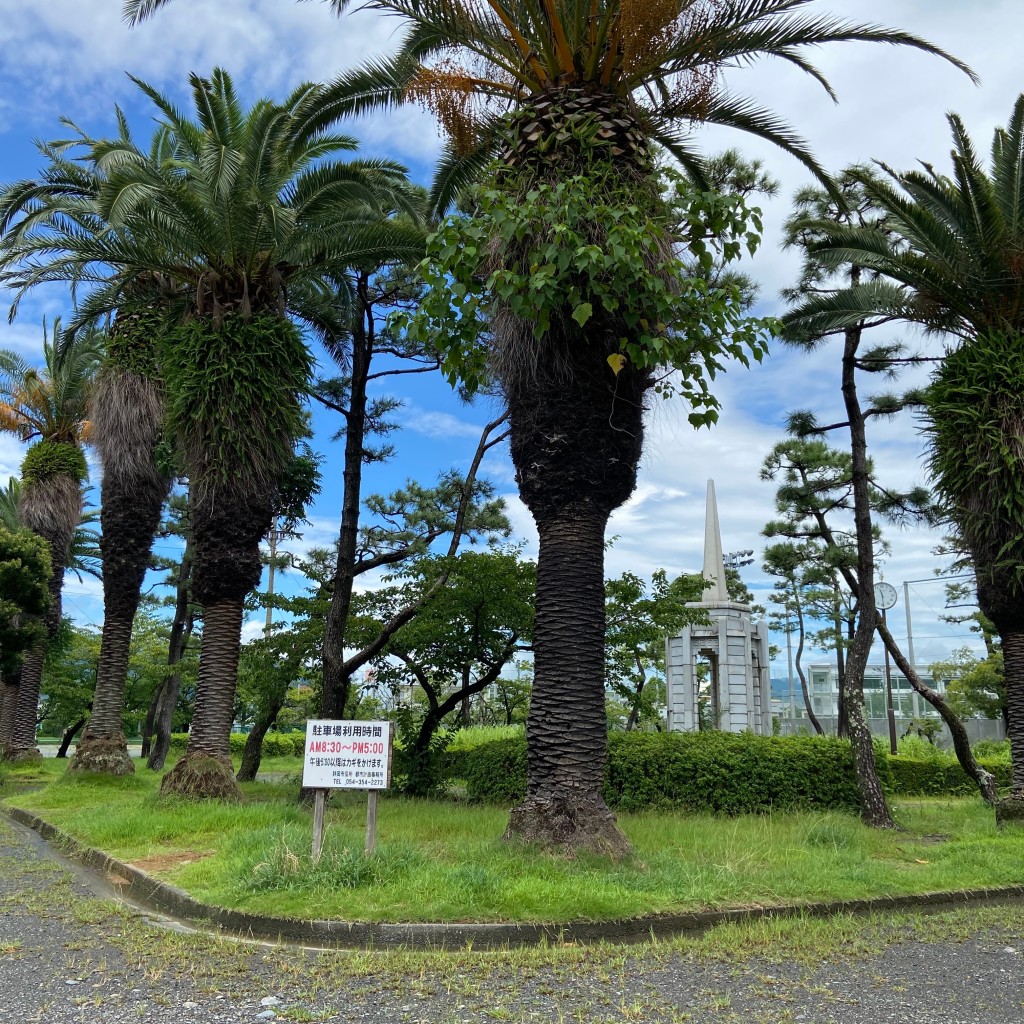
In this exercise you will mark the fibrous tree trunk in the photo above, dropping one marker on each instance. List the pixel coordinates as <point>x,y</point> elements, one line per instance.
<point>1008,617</point>
<point>22,744</point>
<point>1013,660</point>
<point>127,424</point>
<point>8,704</point>
<point>209,739</point>
<point>226,566</point>
<point>576,438</point>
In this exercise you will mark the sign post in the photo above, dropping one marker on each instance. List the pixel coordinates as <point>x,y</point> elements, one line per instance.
<point>346,755</point>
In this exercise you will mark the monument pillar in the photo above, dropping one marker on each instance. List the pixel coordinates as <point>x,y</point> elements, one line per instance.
<point>735,646</point>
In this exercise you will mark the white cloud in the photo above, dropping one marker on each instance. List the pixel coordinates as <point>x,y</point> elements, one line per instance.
<point>440,425</point>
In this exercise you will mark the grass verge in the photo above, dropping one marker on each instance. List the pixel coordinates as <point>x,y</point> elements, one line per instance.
<point>445,861</point>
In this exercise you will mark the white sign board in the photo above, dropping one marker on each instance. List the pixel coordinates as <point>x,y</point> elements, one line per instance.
<point>347,755</point>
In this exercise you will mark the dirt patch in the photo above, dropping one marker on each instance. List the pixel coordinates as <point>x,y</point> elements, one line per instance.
<point>169,861</point>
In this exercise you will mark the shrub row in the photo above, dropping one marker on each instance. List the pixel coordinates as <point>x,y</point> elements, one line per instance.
<point>275,744</point>
<point>721,772</point>
<point>933,777</point>
<point>724,772</point>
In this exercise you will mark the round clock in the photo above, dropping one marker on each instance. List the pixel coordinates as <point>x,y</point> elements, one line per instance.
<point>885,595</point>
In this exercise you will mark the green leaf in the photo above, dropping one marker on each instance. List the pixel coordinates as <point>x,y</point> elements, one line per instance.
<point>582,313</point>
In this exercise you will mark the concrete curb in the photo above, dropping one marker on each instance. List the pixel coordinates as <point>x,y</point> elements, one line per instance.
<point>152,894</point>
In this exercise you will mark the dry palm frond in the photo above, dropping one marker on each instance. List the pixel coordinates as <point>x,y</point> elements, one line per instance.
<point>52,508</point>
<point>127,417</point>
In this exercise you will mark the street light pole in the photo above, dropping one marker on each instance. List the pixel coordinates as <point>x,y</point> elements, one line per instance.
<point>888,698</point>
<point>789,658</point>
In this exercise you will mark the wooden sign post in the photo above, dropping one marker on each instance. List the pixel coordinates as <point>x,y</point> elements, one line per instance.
<point>346,755</point>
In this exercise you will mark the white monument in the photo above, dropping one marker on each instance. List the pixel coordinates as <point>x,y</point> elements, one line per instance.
<point>736,650</point>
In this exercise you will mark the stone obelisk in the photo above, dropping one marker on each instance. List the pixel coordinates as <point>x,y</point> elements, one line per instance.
<point>736,694</point>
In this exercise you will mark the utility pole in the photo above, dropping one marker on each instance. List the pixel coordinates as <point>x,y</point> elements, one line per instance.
<point>789,658</point>
<point>890,711</point>
<point>270,577</point>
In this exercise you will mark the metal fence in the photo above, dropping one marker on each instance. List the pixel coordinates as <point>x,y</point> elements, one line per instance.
<point>977,728</point>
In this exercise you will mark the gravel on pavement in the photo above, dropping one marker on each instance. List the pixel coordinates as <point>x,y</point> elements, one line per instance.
<point>70,953</point>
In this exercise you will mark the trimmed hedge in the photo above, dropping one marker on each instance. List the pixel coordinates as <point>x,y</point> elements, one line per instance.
<point>275,744</point>
<point>941,777</point>
<point>727,773</point>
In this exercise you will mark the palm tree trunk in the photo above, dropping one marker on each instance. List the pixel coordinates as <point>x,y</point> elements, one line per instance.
<point>576,437</point>
<point>131,505</point>
<point>567,732</point>
<point>8,705</point>
<point>22,745</point>
<point>1013,658</point>
<point>209,739</point>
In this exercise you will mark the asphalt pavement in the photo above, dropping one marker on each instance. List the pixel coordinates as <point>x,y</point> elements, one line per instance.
<point>70,953</point>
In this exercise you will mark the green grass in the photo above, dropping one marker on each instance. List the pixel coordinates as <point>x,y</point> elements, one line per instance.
<point>474,736</point>
<point>446,861</point>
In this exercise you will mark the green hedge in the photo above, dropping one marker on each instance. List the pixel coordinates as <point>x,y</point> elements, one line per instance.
<point>727,773</point>
<point>945,777</point>
<point>275,744</point>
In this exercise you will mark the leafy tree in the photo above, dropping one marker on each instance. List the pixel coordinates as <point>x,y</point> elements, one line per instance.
<point>572,266</point>
<point>68,682</point>
<point>975,687</point>
<point>955,271</point>
<point>48,406</point>
<point>369,351</point>
<point>798,577</point>
<point>271,670</point>
<point>249,203</point>
<point>127,411</point>
<point>456,647</point>
<point>639,616</point>
<point>24,597</point>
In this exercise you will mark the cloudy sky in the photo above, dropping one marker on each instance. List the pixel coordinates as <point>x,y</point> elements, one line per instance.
<point>69,58</point>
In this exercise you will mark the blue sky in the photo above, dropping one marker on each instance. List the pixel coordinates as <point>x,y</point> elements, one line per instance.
<point>68,57</point>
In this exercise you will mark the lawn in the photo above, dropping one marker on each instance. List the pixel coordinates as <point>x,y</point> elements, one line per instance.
<point>445,861</point>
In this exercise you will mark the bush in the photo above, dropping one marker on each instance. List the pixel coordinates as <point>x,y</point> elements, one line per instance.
<point>275,744</point>
<point>495,772</point>
<point>934,777</point>
<point>721,772</point>
<point>992,750</point>
<point>713,771</point>
<point>731,773</point>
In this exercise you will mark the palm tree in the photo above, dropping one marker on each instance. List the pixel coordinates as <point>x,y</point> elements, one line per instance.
<point>252,203</point>
<point>949,260</point>
<point>49,406</point>
<point>127,419</point>
<point>570,96</point>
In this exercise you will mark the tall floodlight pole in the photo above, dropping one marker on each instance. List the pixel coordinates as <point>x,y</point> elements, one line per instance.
<point>789,658</point>
<point>885,598</point>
